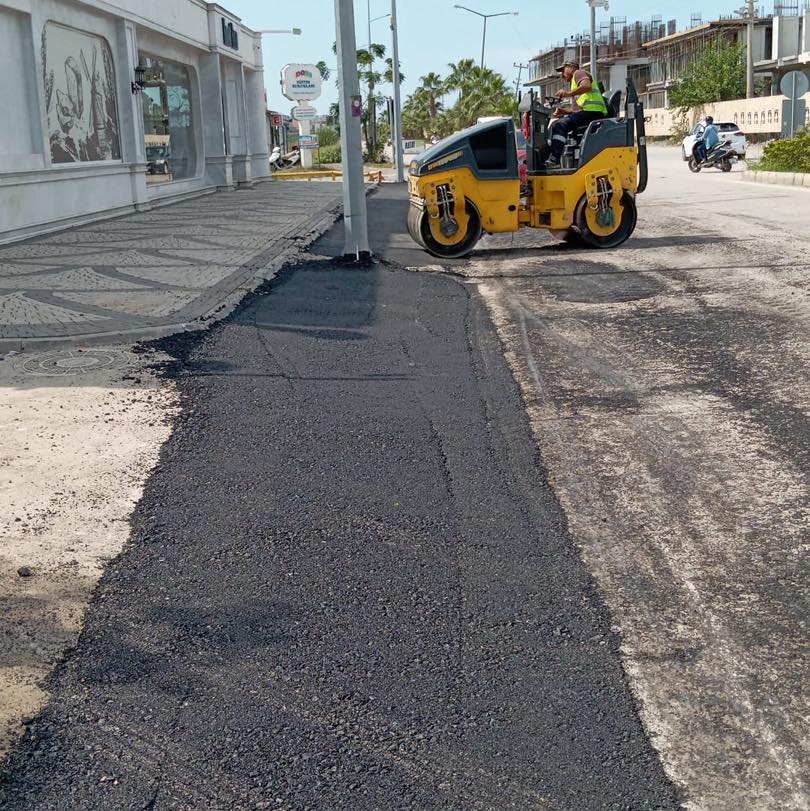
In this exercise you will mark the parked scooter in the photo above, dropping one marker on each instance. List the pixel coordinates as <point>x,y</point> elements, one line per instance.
<point>290,158</point>
<point>275,159</point>
<point>721,156</point>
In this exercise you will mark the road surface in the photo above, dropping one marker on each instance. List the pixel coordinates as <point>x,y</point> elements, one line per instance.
<point>668,390</point>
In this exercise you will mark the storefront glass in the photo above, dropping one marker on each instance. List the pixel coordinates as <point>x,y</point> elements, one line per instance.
<point>168,121</point>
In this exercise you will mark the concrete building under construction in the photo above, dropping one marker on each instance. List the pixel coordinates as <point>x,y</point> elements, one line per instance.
<point>655,54</point>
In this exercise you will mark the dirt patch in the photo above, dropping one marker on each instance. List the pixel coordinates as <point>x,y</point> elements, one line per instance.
<point>81,431</point>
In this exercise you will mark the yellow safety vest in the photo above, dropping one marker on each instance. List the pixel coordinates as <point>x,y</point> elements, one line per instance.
<point>592,101</point>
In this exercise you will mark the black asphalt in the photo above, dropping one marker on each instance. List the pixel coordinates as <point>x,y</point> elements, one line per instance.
<point>349,585</point>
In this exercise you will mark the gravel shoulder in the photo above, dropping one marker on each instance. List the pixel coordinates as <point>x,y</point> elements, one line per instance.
<point>81,431</point>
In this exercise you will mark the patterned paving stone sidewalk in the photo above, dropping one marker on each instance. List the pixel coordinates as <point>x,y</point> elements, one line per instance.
<point>144,274</point>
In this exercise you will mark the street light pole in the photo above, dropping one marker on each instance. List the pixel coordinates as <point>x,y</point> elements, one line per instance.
<point>355,244</point>
<point>594,4</point>
<point>396,124</point>
<point>486,17</point>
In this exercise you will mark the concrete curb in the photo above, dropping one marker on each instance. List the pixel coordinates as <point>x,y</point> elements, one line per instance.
<point>778,178</point>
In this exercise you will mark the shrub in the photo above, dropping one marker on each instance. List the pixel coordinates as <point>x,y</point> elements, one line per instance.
<point>328,136</point>
<point>330,154</point>
<point>788,154</point>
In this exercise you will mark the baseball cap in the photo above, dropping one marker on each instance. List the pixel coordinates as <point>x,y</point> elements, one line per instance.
<point>572,62</point>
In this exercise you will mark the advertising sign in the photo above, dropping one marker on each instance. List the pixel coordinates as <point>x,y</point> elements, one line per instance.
<point>303,113</point>
<point>301,82</point>
<point>308,142</point>
<point>357,106</point>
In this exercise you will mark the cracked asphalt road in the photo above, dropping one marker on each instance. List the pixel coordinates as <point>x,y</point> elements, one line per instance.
<point>349,584</point>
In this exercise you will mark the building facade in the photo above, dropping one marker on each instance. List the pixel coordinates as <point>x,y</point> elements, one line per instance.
<point>119,105</point>
<point>655,55</point>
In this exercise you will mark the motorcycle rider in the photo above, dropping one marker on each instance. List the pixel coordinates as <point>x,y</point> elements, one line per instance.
<point>588,105</point>
<point>708,139</point>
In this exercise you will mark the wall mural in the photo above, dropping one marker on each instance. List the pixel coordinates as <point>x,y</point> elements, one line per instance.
<point>79,96</point>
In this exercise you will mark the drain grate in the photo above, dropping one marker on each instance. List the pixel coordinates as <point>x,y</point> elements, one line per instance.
<point>68,362</point>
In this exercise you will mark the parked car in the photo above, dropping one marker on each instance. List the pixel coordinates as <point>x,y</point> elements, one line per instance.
<point>157,160</point>
<point>727,130</point>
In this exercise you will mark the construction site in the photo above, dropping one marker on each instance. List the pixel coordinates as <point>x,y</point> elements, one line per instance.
<point>655,54</point>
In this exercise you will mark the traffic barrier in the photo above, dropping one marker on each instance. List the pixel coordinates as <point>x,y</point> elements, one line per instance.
<point>324,174</point>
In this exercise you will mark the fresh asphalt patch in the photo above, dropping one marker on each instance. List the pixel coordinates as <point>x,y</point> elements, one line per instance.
<point>348,586</point>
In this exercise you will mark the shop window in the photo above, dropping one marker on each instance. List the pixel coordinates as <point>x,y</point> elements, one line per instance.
<point>168,121</point>
<point>80,102</point>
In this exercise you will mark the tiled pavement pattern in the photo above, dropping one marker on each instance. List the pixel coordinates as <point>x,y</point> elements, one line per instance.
<point>168,266</point>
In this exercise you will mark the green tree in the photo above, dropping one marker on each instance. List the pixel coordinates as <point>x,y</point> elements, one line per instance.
<point>718,75</point>
<point>481,92</point>
<point>461,75</point>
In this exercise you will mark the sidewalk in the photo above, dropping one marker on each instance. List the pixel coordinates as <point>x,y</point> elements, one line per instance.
<point>155,272</point>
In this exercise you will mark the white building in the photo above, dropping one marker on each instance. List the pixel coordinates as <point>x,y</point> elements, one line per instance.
<point>109,106</point>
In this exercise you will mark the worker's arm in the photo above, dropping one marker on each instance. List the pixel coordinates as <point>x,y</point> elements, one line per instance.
<point>584,85</point>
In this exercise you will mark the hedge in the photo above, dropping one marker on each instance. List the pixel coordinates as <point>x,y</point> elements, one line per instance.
<point>788,154</point>
<point>329,154</point>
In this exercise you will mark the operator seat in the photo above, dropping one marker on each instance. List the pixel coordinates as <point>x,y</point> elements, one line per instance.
<point>613,103</point>
<point>577,137</point>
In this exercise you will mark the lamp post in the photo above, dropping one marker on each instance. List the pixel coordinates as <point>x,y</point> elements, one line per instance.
<point>486,17</point>
<point>396,124</point>
<point>296,31</point>
<point>594,4</point>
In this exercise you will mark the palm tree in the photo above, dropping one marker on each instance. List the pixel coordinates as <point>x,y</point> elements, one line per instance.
<point>365,65</point>
<point>433,85</point>
<point>323,70</point>
<point>461,75</point>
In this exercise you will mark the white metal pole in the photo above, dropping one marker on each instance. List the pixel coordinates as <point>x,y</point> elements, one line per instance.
<point>354,193</point>
<point>593,44</point>
<point>483,42</point>
<point>396,124</point>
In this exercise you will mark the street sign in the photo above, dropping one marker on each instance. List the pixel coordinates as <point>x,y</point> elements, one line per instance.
<point>300,82</point>
<point>304,113</point>
<point>308,142</point>
<point>793,116</point>
<point>794,84</point>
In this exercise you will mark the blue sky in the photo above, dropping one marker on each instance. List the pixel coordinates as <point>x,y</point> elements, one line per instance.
<point>433,32</point>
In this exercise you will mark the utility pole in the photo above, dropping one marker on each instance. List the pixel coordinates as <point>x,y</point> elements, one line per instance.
<point>521,67</point>
<point>396,124</point>
<point>355,245</point>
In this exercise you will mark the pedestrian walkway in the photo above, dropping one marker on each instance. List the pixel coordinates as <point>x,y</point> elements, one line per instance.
<point>155,272</point>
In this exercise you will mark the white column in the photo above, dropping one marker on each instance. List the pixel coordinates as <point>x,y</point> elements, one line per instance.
<point>305,128</point>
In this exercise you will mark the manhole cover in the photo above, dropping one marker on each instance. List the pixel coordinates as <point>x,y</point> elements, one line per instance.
<point>68,362</point>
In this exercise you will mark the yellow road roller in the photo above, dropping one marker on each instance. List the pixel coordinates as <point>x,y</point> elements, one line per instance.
<point>470,184</point>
